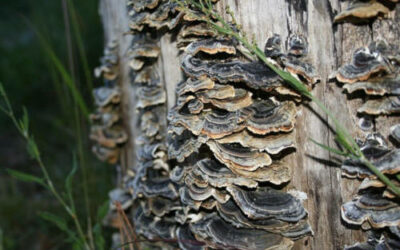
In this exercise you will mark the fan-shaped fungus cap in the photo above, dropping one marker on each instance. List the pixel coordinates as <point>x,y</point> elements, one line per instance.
<point>255,74</point>
<point>273,46</point>
<point>186,239</point>
<point>194,85</point>
<point>161,206</point>
<point>211,46</point>
<point>388,163</point>
<point>373,209</point>
<point>297,45</point>
<point>218,92</point>
<point>265,116</point>
<point>383,106</point>
<point>182,146</point>
<point>121,196</point>
<point>241,98</point>
<point>218,123</point>
<point>220,234</point>
<point>235,156</point>
<point>364,64</point>
<point>376,86</point>
<point>150,95</point>
<point>360,11</point>
<point>217,175</point>
<point>277,173</point>
<point>109,137</point>
<point>105,95</point>
<point>266,202</point>
<point>230,212</point>
<point>272,144</point>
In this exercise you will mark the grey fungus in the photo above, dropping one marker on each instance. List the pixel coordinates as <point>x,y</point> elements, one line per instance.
<point>272,144</point>
<point>220,234</point>
<point>383,106</point>
<point>105,95</point>
<point>395,132</point>
<point>267,116</point>
<point>364,64</point>
<point>235,156</point>
<point>266,202</point>
<point>371,209</point>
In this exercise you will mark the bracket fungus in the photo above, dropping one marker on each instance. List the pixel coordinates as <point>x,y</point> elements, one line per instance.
<point>221,144</point>
<point>106,130</point>
<point>363,11</point>
<point>374,70</point>
<point>220,234</point>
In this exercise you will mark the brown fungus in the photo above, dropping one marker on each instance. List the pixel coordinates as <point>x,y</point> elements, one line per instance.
<point>267,116</point>
<point>277,173</point>
<point>109,137</point>
<point>219,123</point>
<point>217,175</point>
<point>191,85</point>
<point>211,46</point>
<point>362,11</point>
<point>272,144</point>
<point>235,156</point>
<point>240,99</point>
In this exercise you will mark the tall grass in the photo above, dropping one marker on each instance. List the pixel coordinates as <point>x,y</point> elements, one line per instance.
<point>67,67</point>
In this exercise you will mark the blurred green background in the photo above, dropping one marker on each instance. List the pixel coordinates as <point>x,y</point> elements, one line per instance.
<point>73,31</point>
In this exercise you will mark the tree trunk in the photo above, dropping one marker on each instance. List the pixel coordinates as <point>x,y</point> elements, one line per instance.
<point>330,46</point>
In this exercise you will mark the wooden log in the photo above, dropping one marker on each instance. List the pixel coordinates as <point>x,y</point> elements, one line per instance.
<point>314,170</point>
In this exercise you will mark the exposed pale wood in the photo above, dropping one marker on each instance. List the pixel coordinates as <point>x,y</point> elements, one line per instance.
<point>329,47</point>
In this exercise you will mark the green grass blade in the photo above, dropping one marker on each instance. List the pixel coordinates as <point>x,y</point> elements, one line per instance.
<point>60,223</point>
<point>25,177</point>
<point>67,78</point>
<point>68,183</point>
<point>79,41</point>
<point>333,150</point>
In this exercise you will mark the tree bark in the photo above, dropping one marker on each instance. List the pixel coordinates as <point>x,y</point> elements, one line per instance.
<point>329,47</point>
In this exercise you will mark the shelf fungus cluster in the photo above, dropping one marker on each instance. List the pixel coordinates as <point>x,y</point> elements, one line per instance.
<point>212,171</point>
<point>362,11</point>
<point>229,134</point>
<point>374,74</point>
<point>375,207</point>
<point>106,130</point>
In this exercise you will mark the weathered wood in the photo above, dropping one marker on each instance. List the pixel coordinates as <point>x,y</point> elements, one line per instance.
<point>329,46</point>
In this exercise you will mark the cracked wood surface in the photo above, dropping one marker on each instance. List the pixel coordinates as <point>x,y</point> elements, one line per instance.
<point>329,47</point>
